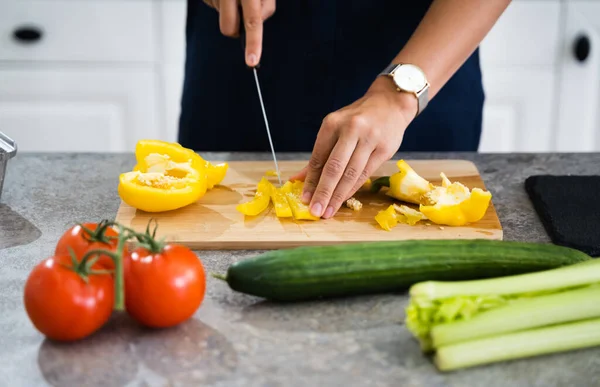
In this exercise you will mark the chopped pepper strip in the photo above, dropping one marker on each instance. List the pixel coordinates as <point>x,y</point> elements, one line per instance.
<point>215,173</point>
<point>161,184</point>
<point>293,192</point>
<point>405,185</point>
<point>412,216</point>
<point>271,172</point>
<point>387,218</point>
<point>453,204</point>
<point>260,202</point>
<point>282,207</point>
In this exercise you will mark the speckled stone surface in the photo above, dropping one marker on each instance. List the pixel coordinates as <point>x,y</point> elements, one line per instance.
<point>237,340</point>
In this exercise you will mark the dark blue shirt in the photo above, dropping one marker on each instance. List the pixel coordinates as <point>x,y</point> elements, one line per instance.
<point>318,56</point>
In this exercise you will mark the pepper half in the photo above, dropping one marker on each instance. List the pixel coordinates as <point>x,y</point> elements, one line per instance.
<point>212,173</point>
<point>453,204</point>
<point>161,184</point>
<point>405,185</point>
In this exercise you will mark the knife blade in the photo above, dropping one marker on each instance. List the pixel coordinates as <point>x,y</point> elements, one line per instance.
<point>260,98</point>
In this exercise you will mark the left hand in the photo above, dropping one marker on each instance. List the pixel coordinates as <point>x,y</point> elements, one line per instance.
<point>352,143</point>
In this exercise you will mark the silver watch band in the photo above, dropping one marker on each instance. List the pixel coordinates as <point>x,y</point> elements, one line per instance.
<point>422,95</point>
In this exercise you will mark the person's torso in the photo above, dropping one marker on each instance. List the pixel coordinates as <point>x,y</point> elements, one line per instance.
<point>318,56</point>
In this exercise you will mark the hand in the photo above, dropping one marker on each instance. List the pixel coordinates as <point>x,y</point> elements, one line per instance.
<point>352,143</point>
<point>255,13</point>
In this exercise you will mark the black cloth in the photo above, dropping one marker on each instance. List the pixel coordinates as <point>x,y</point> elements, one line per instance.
<point>318,56</point>
<point>569,208</point>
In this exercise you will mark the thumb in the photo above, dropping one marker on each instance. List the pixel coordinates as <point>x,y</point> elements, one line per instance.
<point>300,175</point>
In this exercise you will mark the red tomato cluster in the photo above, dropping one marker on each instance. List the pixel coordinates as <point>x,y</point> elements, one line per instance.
<point>68,297</point>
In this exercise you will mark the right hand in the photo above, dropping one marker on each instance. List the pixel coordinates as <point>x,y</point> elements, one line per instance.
<point>255,13</point>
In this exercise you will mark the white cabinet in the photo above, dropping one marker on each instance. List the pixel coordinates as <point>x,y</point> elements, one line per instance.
<point>76,31</point>
<point>579,100</point>
<point>519,59</point>
<point>97,75</point>
<point>78,109</point>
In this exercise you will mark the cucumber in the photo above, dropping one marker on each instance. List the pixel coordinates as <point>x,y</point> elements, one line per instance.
<point>314,272</point>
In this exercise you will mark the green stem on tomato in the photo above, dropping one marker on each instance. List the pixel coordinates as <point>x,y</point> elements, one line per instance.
<point>117,258</point>
<point>99,234</point>
<point>376,184</point>
<point>119,281</point>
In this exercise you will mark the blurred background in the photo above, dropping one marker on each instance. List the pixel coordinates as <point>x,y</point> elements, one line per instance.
<point>96,75</point>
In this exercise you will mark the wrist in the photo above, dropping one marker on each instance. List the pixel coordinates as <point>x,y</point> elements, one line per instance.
<point>406,102</point>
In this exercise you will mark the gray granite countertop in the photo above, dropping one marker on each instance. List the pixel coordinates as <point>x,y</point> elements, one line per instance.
<point>238,340</point>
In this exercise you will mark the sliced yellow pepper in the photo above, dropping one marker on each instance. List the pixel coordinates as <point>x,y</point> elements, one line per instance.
<point>215,173</point>
<point>405,185</point>
<point>412,216</point>
<point>387,218</point>
<point>260,202</point>
<point>162,186</point>
<point>293,192</point>
<point>453,204</point>
<point>282,207</point>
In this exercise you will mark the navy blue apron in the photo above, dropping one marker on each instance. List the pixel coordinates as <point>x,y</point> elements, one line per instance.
<point>318,56</point>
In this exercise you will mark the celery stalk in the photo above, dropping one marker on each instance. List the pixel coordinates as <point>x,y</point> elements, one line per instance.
<point>535,342</point>
<point>443,312</point>
<point>522,314</point>
<point>578,274</point>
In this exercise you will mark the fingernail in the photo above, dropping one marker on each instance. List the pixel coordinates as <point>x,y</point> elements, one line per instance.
<point>306,196</point>
<point>328,212</point>
<point>252,59</point>
<point>317,209</point>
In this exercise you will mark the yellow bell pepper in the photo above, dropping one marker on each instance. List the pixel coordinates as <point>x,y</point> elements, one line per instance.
<point>453,204</point>
<point>405,185</point>
<point>411,215</point>
<point>387,218</point>
<point>260,202</point>
<point>215,173</point>
<point>282,207</point>
<point>161,186</point>
<point>212,173</point>
<point>293,192</point>
<point>394,214</point>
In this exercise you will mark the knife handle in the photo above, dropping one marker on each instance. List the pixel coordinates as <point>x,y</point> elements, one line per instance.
<point>243,36</point>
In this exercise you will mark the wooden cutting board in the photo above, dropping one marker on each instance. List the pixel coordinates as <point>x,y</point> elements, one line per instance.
<point>214,223</point>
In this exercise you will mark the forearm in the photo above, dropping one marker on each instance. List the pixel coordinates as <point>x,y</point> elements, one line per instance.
<point>448,34</point>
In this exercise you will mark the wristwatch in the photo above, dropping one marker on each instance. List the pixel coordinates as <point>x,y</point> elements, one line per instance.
<point>411,79</point>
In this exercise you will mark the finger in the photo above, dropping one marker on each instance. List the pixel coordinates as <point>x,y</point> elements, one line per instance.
<point>332,173</point>
<point>268,9</point>
<point>326,139</point>
<point>229,18</point>
<point>354,171</point>
<point>377,158</point>
<point>254,29</point>
<point>300,175</point>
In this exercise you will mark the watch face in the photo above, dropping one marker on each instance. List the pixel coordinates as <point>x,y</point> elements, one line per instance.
<point>409,78</point>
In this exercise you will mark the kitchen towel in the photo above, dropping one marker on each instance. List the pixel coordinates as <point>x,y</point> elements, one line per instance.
<point>569,208</point>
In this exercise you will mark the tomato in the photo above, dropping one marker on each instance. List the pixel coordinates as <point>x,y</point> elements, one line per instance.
<point>164,286</point>
<point>81,242</point>
<point>61,305</point>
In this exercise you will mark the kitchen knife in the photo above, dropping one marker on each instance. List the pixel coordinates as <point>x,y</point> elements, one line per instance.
<point>262,105</point>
